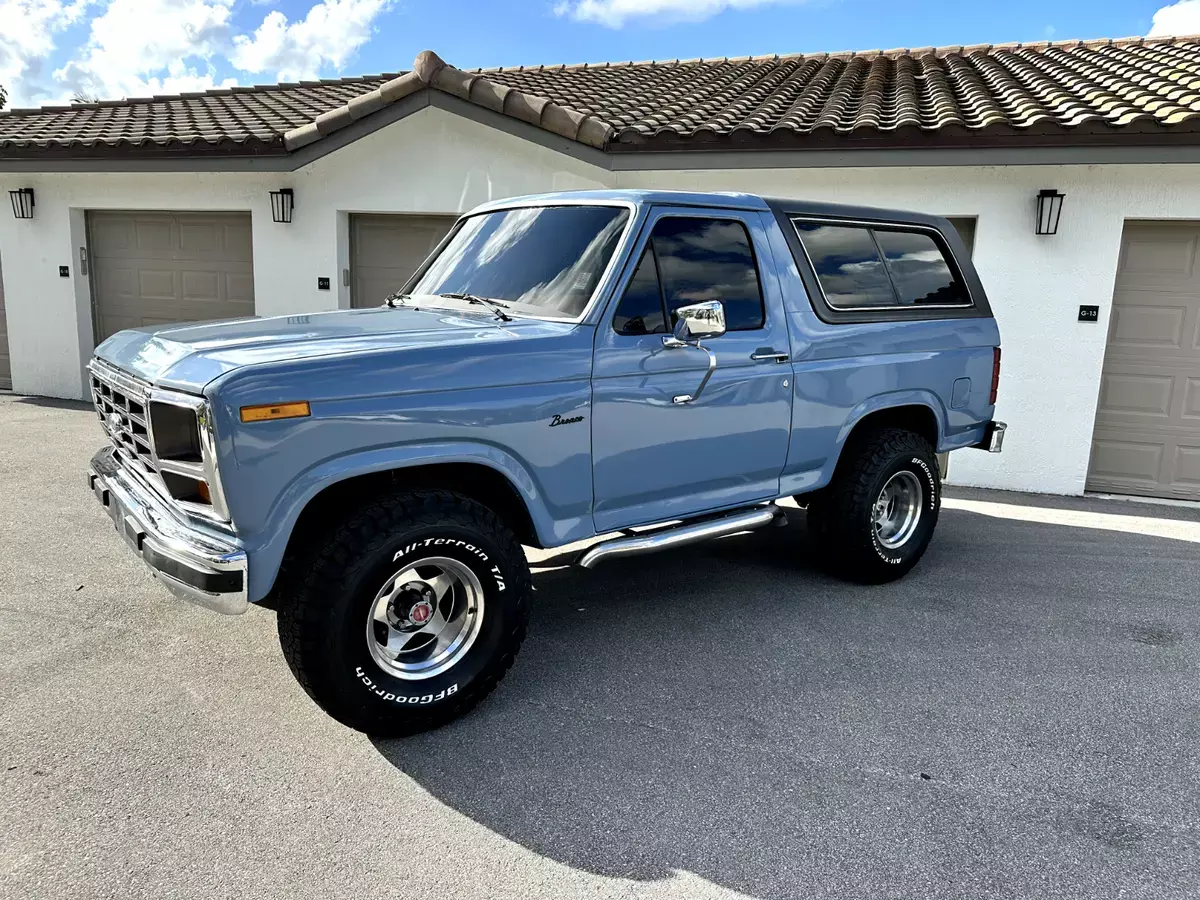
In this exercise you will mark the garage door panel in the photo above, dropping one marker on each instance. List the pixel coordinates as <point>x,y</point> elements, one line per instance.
<point>200,238</point>
<point>161,268</point>
<point>155,285</point>
<point>372,288</point>
<point>1145,395</point>
<point>1134,460</point>
<point>385,251</point>
<point>1187,466</point>
<point>152,239</point>
<point>239,289</point>
<point>1159,256</point>
<point>1191,399</point>
<point>204,287</point>
<point>1142,325</point>
<point>1147,434</point>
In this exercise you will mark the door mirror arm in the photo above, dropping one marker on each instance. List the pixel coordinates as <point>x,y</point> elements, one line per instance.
<point>693,324</point>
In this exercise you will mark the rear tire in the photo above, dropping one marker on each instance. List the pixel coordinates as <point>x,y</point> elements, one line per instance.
<point>874,521</point>
<point>408,614</point>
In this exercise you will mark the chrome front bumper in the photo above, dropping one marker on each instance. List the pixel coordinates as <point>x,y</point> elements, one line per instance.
<point>194,565</point>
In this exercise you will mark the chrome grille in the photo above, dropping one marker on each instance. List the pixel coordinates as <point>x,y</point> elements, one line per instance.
<point>122,402</point>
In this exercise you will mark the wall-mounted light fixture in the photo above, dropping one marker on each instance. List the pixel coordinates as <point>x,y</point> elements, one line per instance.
<point>22,202</point>
<point>283,201</point>
<point>1049,208</point>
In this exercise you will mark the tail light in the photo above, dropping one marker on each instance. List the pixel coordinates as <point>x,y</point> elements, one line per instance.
<point>995,376</point>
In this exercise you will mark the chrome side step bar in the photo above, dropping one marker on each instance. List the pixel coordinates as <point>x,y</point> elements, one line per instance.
<point>685,533</point>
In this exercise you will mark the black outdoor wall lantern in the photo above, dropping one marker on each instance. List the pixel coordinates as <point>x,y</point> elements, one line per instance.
<point>1049,208</point>
<point>22,202</point>
<point>283,201</point>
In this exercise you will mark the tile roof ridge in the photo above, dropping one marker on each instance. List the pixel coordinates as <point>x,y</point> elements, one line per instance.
<point>938,50</point>
<point>196,95</point>
<point>431,72</point>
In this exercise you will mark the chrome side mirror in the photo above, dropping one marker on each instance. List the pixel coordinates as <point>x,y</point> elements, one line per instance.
<point>699,321</point>
<point>692,325</point>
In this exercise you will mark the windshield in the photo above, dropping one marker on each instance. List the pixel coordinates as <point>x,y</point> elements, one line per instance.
<point>547,259</point>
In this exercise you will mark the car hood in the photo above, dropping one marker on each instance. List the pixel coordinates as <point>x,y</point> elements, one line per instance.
<point>188,356</point>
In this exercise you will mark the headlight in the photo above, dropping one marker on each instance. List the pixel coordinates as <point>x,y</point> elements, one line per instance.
<point>185,451</point>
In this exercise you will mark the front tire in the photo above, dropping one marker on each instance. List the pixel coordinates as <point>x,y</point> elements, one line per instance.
<point>874,521</point>
<point>409,614</point>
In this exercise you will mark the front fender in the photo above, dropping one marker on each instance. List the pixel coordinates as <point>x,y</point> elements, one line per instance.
<point>266,554</point>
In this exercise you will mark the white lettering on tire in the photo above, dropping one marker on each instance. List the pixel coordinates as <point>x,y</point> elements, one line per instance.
<point>439,542</point>
<point>387,696</point>
<point>932,482</point>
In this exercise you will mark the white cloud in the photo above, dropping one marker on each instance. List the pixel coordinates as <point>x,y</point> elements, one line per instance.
<point>141,47</point>
<point>329,35</point>
<point>27,33</point>
<point>1178,18</point>
<point>615,13</point>
<point>135,48</point>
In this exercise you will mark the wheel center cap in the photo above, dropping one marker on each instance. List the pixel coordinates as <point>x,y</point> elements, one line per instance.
<point>414,604</point>
<point>420,612</point>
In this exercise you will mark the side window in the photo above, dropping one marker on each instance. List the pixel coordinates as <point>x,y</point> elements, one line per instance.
<point>690,260</point>
<point>709,259</point>
<point>919,269</point>
<point>848,265</point>
<point>641,308</point>
<point>860,267</point>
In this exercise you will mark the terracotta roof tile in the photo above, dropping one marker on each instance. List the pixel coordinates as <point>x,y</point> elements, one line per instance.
<point>1105,87</point>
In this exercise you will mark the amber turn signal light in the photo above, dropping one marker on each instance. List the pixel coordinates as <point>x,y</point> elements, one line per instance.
<point>275,411</point>
<point>202,491</point>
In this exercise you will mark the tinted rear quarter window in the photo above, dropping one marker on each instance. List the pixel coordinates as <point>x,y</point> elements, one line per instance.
<point>919,269</point>
<point>848,265</point>
<point>860,267</point>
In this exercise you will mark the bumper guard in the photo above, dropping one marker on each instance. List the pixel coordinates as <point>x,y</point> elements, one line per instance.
<point>993,437</point>
<point>194,565</point>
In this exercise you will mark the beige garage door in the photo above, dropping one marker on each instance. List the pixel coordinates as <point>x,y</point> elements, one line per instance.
<point>154,268</point>
<point>386,250</point>
<point>5,365</point>
<point>1147,438</point>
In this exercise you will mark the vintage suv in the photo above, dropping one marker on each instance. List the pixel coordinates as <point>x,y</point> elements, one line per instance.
<point>658,368</point>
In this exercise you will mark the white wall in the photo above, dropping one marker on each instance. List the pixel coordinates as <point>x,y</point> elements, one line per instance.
<point>1052,362</point>
<point>437,162</point>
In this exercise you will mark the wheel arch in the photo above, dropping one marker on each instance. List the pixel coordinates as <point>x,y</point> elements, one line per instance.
<point>485,474</point>
<point>918,411</point>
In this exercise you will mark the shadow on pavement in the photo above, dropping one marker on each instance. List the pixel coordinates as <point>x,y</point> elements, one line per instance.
<point>51,403</point>
<point>1014,718</point>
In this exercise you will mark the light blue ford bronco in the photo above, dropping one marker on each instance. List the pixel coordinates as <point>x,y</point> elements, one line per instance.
<point>653,368</point>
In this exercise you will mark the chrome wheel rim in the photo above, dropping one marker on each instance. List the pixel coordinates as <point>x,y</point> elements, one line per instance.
<point>425,618</point>
<point>897,511</point>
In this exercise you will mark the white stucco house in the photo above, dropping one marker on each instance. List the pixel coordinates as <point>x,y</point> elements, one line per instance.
<point>146,210</point>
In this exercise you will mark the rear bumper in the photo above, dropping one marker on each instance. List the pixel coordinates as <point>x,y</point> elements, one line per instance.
<point>993,437</point>
<point>194,565</point>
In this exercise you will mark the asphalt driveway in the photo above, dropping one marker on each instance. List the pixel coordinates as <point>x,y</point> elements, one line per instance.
<point>1018,718</point>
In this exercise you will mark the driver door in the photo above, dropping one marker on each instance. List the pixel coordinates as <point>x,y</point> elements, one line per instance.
<point>656,459</point>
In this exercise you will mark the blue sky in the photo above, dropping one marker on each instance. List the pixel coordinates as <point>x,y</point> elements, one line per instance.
<point>51,49</point>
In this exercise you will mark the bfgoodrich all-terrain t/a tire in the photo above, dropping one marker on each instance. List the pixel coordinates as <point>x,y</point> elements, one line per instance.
<point>408,614</point>
<point>874,521</point>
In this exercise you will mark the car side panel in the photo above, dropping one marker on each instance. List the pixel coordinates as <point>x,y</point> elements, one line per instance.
<point>846,371</point>
<point>381,412</point>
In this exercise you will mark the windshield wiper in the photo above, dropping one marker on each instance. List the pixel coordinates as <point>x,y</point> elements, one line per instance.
<point>396,300</point>
<point>494,305</point>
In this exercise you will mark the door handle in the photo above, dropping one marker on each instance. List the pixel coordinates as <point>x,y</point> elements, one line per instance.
<point>766,353</point>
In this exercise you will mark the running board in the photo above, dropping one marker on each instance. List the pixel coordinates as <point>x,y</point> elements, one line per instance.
<point>685,533</point>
